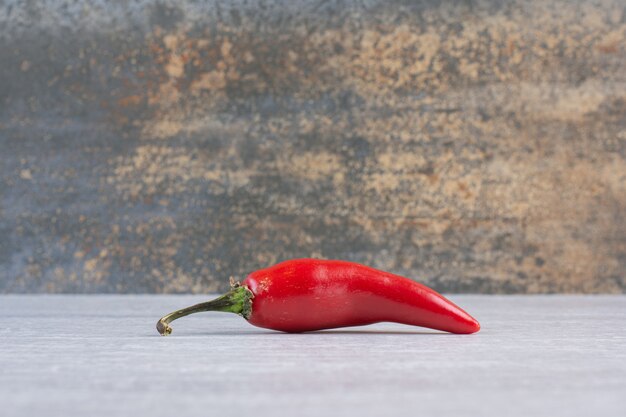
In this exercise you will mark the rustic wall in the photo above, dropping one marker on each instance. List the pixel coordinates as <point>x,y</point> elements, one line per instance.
<point>163,146</point>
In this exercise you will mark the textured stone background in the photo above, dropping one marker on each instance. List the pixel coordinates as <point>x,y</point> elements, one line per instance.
<point>163,146</point>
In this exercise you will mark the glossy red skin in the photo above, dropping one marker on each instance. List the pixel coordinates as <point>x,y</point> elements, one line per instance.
<point>303,295</point>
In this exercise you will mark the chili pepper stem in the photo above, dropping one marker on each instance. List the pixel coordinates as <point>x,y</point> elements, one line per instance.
<point>238,300</point>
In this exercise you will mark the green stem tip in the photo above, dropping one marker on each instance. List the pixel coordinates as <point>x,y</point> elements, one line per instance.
<point>238,300</point>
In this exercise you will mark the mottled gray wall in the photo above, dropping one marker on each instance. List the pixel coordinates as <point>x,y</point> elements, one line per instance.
<point>163,146</point>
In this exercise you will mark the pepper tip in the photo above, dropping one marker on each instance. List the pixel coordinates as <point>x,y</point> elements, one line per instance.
<point>474,327</point>
<point>477,327</point>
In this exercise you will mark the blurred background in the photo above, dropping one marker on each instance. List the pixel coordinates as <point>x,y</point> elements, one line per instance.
<point>163,146</point>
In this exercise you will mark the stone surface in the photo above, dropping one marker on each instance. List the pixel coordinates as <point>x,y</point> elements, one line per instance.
<point>101,356</point>
<point>161,146</point>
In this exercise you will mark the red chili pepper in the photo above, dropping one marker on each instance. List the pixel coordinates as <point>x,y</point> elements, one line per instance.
<point>303,295</point>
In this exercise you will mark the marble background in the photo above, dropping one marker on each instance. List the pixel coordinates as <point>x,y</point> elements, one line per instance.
<point>163,146</point>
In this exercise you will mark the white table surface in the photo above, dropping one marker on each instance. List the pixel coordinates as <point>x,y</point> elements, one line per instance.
<point>101,356</point>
